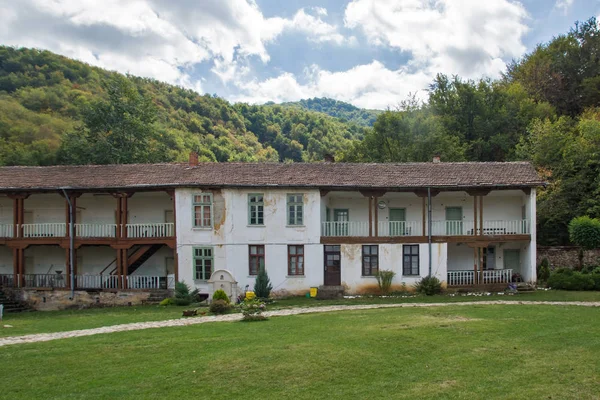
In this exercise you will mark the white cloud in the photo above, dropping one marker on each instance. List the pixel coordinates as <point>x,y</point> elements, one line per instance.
<point>563,5</point>
<point>369,85</point>
<point>469,37</point>
<point>161,39</point>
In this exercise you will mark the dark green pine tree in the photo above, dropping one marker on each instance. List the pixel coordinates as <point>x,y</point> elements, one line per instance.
<point>262,285</point>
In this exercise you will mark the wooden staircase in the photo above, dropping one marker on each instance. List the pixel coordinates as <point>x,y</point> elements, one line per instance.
<point>140,256</point>
<point>11,305</point>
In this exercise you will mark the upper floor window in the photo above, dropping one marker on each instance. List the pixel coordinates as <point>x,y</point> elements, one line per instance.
<point>202,206</point>
<point>256,207</point>
<point>203,263</point>
<point>370,260</point>
<point>295,207</point>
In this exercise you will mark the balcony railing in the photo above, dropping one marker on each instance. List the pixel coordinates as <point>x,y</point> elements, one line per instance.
<point>6,230</point>
<point>44,280</point>
<point>400,228</point>
<point>7,280</point>
<point>44,230</point>
<point>149,230</point>
<point>96,230</point>
<point>96,281</point>
<point>466,278</point>
<point>146,282</point>
<point>465,228</point>
<point>344,228</point>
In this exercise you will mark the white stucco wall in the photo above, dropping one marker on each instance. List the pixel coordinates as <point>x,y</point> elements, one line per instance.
<point>6,260</point>
<point>6,210</point>
<point>44,260</point>
<point>45,208</point>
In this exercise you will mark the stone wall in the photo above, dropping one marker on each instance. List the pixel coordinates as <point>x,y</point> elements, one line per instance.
<point>50,300</point>
<point>566,256</point>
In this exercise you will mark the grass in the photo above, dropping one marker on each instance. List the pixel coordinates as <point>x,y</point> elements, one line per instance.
<point>57,321</point>
<point>492,352</point>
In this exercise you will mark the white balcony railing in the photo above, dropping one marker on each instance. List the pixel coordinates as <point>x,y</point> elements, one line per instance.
<point>96,281</point>
<point>143,282</point>
<point>7,280</point>
<point>465,228</point>
<point>45,280</point>
<point>96,230</point>
<point>6,230</point>
<point>44,230</point>
<point>150,230</point>
<point>400,228</point>
<point>345,228</point>
<point>451,228</point>
<point>461,278</point>
<point>515,227</point>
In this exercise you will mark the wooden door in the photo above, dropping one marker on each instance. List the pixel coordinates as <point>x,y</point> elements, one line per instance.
<point>398,222</point>
<point>454,216</point>
<point>333,266</point>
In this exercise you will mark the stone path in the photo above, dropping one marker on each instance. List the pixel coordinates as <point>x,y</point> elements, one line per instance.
<point>44,337</point>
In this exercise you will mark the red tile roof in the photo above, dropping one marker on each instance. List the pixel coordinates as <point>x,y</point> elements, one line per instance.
<point>319,175</point>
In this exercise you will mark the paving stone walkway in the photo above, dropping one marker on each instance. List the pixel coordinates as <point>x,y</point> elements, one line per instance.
<point>44,337</point>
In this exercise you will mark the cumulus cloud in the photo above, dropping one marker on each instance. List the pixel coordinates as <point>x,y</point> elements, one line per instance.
<point>369,85</point>
<point>470,37</point>
<point>563,5</point>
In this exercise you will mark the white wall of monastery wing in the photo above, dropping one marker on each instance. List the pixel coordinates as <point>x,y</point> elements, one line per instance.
<point>6,263</point>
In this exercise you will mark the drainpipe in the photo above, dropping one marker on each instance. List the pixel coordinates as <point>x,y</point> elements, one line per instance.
<point>429,225</point>
<point>71,244</point>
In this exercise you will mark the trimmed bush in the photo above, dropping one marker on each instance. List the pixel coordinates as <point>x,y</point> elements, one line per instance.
<point>220,295</point>
<point>167,302</point>
<point>384,280</point>
<point>543,272</point>
<point>585,232</point>
<point>572,280</point>
<point>262,285</point>
<point>429,286</point>
<point>219,307</point>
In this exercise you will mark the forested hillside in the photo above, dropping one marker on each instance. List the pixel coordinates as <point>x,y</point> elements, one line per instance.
<point>338,109</point>
<point>545,109</point>
<point>54,110</point>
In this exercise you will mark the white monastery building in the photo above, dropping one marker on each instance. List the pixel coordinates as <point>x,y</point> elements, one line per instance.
<point>141,227</point>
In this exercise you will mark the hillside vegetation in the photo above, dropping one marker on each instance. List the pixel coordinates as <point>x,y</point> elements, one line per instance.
<point>46,102</point>
<point>344,111</point>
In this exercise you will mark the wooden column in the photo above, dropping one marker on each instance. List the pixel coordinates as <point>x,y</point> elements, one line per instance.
<point>175,258</point>
<point>118,218</point>
<point>124,215</point>
<point>481,214</point>
<point>68,268</point>
<point>475,258</point>
<point>119,272</point>
<point>370,216</point>
<point>424,216</point>
<point>16,205</point>
<point>376,217</point>
<point>475,215</point>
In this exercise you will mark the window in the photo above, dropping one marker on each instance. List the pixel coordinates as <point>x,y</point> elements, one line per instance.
<point>202,205</point>
<point>411,260</point>
<point>295,204</point>
<point>256,258</point>
<point>256,209</point>
<point>370,260</point>
<point>295,260</point>
<point>203,263</point>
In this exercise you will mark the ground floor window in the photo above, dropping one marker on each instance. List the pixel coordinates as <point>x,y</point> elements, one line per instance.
<point>203,263</point>
<point>370,260</point>
<point>295,260</point>
<point>410,260</point>
<point>256,258</point>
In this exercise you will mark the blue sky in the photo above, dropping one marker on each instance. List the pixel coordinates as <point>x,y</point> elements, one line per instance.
<point>371,53</point>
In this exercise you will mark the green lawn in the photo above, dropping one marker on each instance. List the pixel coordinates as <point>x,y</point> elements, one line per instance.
<point>56,321</point>
<point>492,352</point>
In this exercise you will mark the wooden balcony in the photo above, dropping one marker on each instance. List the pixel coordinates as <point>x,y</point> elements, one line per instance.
<point>60,230</point>
<point>88,282</point>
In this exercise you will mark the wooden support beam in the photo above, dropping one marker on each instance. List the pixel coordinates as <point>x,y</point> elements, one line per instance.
<point>175,259</point>
<point>372,193</point>
<point>16,205</point>
<point>124,209</point>
<point>475,215</point>
<point>376,217</point>
<point>370,217</point>
<point>481,215</point>
<point>324,192</point>
<point>424,215</point>
<point>68,269</point>
<point>423,192</point>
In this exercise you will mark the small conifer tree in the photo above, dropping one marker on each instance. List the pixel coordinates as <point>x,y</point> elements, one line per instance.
<point>262,285</point>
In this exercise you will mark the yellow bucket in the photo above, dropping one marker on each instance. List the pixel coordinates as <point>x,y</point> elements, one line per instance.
<point>313,292</point>
<point>250,295</point>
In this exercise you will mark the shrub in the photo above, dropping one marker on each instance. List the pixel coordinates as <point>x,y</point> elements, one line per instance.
<point>543,272</point>
<point>429,286</point>
<point>585,232</point>
<point>572,281</point>
<point>253,310</point>
<point>220,295</point>
<point>167,302</point>
<point>262,285</point>
<point>384,280</point>
<point>183,296</point>
<point>219,307</point>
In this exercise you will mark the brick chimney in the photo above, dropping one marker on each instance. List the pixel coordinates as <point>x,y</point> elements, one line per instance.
<point>436,158</point>
<point>193,159</point>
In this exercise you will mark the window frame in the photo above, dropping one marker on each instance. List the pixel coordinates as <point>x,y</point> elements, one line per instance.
<point>370,263</point>
<point>203,258</point>
<point>411,255</point>
<point>258,256</point>
<point>298,205</point>
<point>202,204</point>
<point>295,256</point>
<point>256,204</point>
